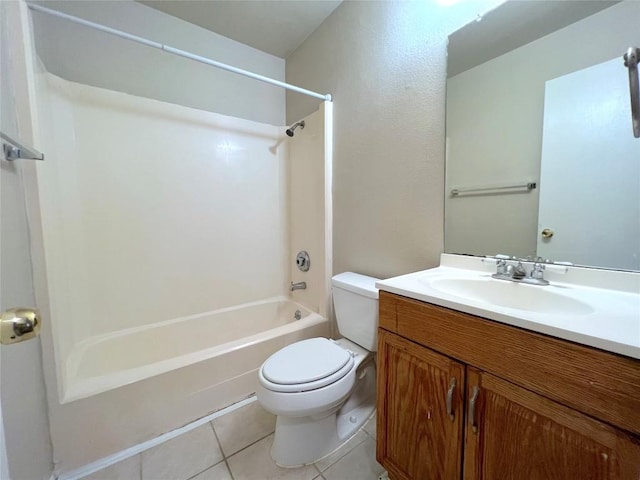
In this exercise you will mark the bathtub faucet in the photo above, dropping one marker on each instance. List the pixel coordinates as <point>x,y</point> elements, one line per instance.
<point>298,286</point>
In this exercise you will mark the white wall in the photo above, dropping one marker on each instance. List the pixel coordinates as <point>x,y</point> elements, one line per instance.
<point>501,103</point>
<point>26,426</point>
<point>385,64</point>
<point>87,56</point>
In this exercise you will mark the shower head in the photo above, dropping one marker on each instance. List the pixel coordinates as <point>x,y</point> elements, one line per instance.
<point>294,126</point>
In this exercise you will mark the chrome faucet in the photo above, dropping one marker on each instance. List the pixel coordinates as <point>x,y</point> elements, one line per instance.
<point>517,272</point>
<point>298,286</point>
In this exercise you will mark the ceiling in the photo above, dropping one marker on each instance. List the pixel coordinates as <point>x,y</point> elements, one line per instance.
<point>512,25</point>
<point>277,27</point>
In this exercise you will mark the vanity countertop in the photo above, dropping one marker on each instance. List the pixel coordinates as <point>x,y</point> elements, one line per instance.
<point>599,308</point>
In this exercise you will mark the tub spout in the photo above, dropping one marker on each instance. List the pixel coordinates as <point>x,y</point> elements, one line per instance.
<point>298,286</point>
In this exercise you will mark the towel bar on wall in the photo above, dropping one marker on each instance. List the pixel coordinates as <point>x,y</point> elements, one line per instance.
<point>494,189</point>
<point>14,150</point>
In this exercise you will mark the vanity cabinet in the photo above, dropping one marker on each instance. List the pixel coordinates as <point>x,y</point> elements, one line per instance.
<point>522,406</point>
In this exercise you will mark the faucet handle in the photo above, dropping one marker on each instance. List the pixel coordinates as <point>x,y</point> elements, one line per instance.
<point>537,271</point>
<point>501,266</point>
<point>499,260</point>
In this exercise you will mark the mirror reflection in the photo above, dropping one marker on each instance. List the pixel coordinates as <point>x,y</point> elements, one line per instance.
<point>541,157</point>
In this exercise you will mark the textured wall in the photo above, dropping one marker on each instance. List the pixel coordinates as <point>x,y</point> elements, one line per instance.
<point>385,64</point>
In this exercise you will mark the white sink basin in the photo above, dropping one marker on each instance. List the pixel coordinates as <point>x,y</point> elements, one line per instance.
<point>518,296</point>
<point>599,308</point>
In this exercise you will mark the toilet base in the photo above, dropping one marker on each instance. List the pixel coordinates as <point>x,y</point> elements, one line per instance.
<point>304,440</point>
<point>300,441</point>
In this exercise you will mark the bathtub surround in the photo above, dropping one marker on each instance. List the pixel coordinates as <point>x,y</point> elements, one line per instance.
<point>112,201</point>
<point>140,411</point>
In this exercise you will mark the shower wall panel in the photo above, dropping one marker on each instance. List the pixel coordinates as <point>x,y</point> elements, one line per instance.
<point>152,211</point>
<point>307,215</point>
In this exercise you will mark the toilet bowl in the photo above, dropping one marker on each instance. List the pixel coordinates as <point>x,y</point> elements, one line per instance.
<point>322,391</point>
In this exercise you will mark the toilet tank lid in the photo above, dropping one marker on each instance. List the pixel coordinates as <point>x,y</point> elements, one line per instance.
<point>354,282</point>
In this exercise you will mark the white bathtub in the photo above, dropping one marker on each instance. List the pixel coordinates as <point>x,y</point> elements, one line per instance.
<point>258,329</point>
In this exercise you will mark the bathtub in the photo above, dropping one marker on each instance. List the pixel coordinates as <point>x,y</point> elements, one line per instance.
<point>253,330</point>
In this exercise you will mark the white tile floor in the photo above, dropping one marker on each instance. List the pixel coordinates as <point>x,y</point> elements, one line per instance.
<point>236,447</point>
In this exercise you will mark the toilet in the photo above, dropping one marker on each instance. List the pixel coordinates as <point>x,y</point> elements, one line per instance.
<point>322,391</point>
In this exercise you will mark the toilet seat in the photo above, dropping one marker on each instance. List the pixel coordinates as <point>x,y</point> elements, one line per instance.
<point>306,365</point>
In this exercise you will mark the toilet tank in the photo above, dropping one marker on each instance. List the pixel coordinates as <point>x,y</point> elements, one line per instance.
<point>355,300</point>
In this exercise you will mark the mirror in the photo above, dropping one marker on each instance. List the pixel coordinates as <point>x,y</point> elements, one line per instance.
<point>541,157</point>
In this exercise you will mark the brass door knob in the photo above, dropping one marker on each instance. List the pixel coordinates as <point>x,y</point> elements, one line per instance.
<point>547,233</point>
<point>18,324</point>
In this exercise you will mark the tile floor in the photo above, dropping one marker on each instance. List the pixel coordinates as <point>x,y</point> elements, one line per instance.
<point>236,447</point>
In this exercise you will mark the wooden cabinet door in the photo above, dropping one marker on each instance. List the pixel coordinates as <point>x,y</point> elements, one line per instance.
<point>515,434</point>
<point>420,411</point>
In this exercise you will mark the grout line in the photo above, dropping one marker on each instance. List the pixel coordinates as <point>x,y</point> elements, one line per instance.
<point>208,468</point>
<point>229,469</point>
<point>250,445</point>
<point>224,457</point>
<point>215,434</point>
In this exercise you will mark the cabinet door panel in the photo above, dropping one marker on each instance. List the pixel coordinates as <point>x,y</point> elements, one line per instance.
<point>417,437</point>
<point>523,436</point>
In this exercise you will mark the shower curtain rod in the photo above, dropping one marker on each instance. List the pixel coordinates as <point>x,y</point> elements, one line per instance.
<point>181,53</point>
